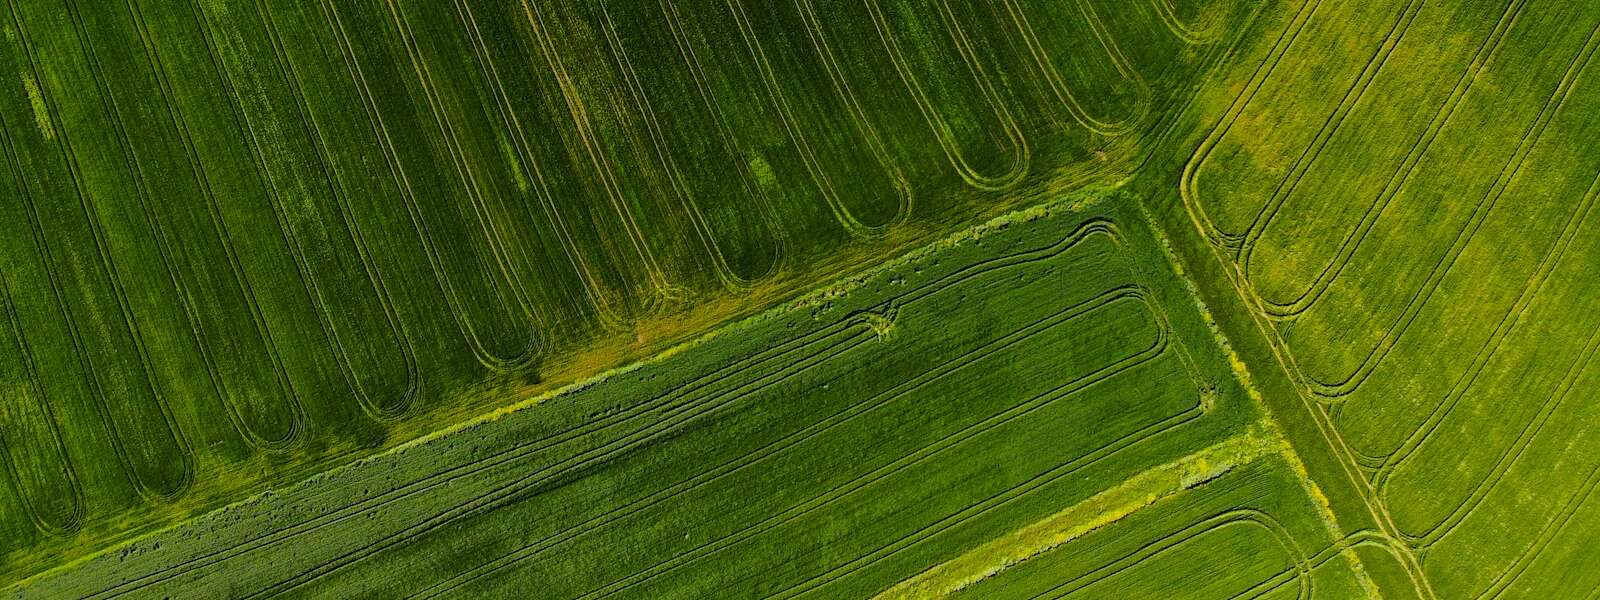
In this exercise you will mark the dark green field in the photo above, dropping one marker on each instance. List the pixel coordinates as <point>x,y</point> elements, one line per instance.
<point>723,298</point>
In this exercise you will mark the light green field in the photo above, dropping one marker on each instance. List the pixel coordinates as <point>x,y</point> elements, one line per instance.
<point>1413,259</point>
<point>884,299</point>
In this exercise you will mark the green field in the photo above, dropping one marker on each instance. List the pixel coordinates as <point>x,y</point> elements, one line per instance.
<point>722,298</point>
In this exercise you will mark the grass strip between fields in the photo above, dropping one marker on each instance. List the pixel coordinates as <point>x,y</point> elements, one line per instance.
<point>1100,510</point>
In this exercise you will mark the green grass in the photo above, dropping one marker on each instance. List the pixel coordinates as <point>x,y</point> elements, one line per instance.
<point>591,298</point>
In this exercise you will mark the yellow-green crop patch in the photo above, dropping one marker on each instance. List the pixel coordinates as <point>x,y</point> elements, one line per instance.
<point>1394,213</point>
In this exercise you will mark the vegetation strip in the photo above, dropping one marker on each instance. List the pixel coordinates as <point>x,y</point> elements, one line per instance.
<point>1102,509</point>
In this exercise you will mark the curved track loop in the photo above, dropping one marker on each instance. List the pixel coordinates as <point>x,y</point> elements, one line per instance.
<point>862,125</point>
<point>1130,117</point>
<point>120,413</point>
<point>717,233</point>
<point>1300,573</point>
<point>1208,29</point>
<point>43,499</point>
<point>369,285</point>
<point>515,308</point>
<point>1188,188</point>
<point>1017,167</point>
<point>414,204</point>
<point>1503,180</point>
<point>222,349</point>
<point>1326,275</point>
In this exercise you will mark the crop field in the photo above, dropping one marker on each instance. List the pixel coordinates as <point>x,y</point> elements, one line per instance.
<point>825,298</point>
<point>1412,243</point>
<point>249,240</point>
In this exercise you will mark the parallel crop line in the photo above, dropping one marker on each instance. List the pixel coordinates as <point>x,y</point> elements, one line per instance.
<point>263,173</point>
<point>996,501</point>
<point>114,278</point>
<point>1258,78</point>
<point>1509,322</point>
<point>679,417</point>
<point>768,215</point>
<point>1403,173</point>
<point>802,147</point>
<point>25,354</point>
<point>639,97</point>
<point>1064,92</point>
<point>1365,538</point>
<point>1092,227</point>
<point>532,482</point>
<point>604,170</point>
<point>1513,454</point>
<point>604,312</point>
<point>1325,133</point>
<point>905,462</point>
<point>1508,173</point>
<point>225,240</point>
<point>374,408</point>
<point>663,404</point>
<point>1514,572</point>
<point>757,194</point>
<point>869,135</point>
<point>486,225</point>
<point>158,230</point>
<point>1397,179</point>
<point>407,194</point>
<point>930,112</point>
